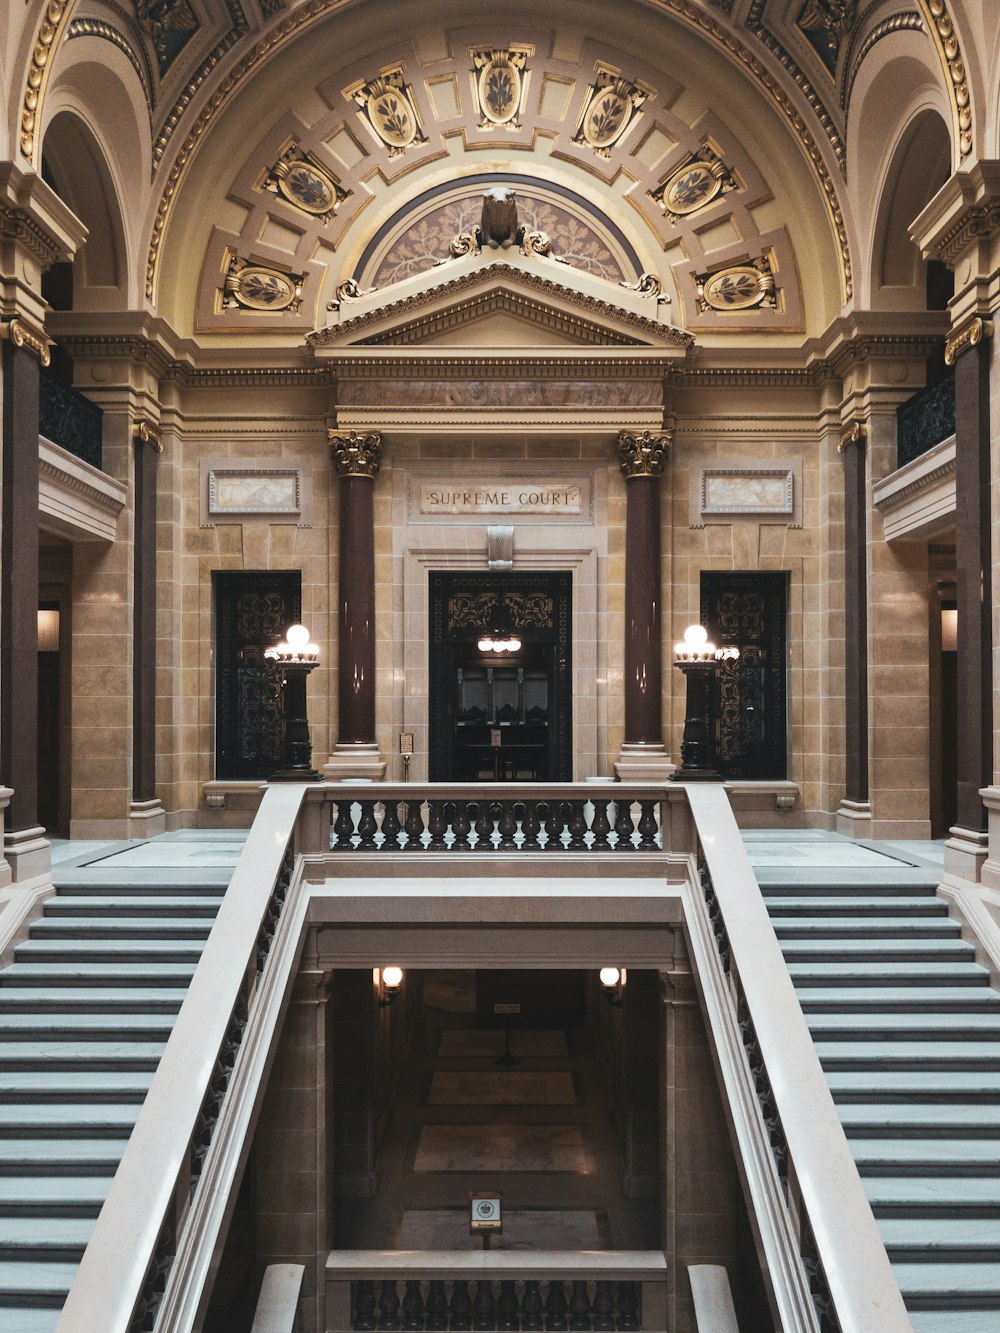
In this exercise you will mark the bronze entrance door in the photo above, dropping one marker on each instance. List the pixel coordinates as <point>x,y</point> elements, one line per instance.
<point>500,716</point>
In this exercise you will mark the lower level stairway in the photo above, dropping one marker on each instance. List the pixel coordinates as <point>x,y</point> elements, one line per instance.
<point>907,1029</point>
<point>85,1012</point>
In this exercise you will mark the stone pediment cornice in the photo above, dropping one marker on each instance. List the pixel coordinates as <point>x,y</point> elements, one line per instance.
<point>965,210</point>
<point>437,308</point>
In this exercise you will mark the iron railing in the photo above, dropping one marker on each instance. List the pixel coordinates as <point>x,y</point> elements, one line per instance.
<point>925,419</point>
<point>69,419</point>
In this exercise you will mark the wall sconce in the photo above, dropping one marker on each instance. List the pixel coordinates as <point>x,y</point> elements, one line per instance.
<point>390,982</point>
<point>613,983</point>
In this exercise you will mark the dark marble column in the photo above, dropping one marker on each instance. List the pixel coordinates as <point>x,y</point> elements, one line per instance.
<point>852,446</point>
<point>356,458</point>
<point>23,349</point>
<point>642,458</point>
<point>968,351</point>
<point>147,450</point>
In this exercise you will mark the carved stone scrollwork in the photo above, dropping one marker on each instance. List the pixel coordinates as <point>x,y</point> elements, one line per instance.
<point>647,284</point>
<point>855,432</point>
<point>969,334</point>
<point>700,179</point>
<point>499,86</point>
<point>302,182</point>
<point>643,455</point>
<point>32,339</point>
<point>737,287</point>
<point>349,290</point>
<point>356,455</point>
<point>611,106</point>
<point>261,287</point>
<point>386,103</point>
<point>144,432</point>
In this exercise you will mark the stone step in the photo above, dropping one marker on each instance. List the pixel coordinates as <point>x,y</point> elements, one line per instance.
<point>933,1196</point>
<point>936,1286</point>
<point>89,975</point>
<point>109,951</point>
<point>85,1027</point>
<point>865,928</point>
<point>79,1056</point>
<point>36,1320</point>
<point>950,1321</point>
<point>112,929</point>
<point>60,1157</point>
<point>89,1000</point>
<point>865,905</point>
<point>73,905</point>
<point>44,1196</point>
<point>855,973</point>
<point>58,1238</point>
<point>881,1057</point>
<point>35,1281</point>
<point>941,1239</point>
<point>64,1120</point>
<point>861,886</point>
<point>932,1119</point>
<point>894,999</point>
<point>907,1086</point>
<point>879,951</point>
<point>905,1027</point>
<point>927,1157</point>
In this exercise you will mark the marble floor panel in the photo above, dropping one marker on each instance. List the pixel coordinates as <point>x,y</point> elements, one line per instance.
<point>541,1044</point>
<point>523,1229</point>
<point>501,1148</point>
<point>178,855</point>
<point>835,855</point>
<point>509,1088</point>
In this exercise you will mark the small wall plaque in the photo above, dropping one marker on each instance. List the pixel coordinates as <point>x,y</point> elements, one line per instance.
<point>278,492</point>
<point>722,493</point>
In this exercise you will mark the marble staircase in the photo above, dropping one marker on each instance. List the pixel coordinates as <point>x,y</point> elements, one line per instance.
<point>907,1028</point>
<point>86,1008</point>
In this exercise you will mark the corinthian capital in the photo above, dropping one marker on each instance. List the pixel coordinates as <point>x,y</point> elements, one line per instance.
<point>643,455</point>
<point>356,455</point>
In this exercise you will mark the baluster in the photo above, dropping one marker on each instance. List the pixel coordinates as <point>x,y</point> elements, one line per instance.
<point>460,826</point>
<point>367,827</point>
<point>484,827</point>
<point>388,1304</point>
<point>577,826</point>
<point>413,1306</point>
<point>600,825</point>
<point>604,1307</point>
<point>343,826</point>
<point>507,827</point>
<point>628,1306</point>
<point>564,813</point>
<point>623,825</point>
<point>531,1306</point>
<point>461,1305</point>
<point>437,826</point>
<point>579,1306</point>
<point>555,1306</point>
<point>414,827</point>
<point>391,827</point>
<point>530,825</point>
<point>437,1305</point>
<point>484,1307</point>
<point>364,1305</point>
<point>507,1305</point>
<point>647,826</point>
<point>546,821</point>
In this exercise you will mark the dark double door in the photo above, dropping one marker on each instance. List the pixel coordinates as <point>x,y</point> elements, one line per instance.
<point>500,717</point>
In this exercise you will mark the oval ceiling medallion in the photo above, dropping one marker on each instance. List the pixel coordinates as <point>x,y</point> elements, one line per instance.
<point>265,288</point>
<point>733,288</point>
<point>605,118</point>
<point>499,90</point>
<point>692,187</point>
<point>393,117</point>
<point>308,188</point>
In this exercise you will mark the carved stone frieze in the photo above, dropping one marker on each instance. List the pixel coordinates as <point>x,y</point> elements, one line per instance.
<point>356,455</point>
<point>643,455</point>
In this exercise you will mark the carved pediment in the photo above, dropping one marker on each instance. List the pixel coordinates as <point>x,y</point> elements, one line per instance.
<point>507,304</point>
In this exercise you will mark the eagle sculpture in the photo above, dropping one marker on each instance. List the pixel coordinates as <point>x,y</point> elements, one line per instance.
<point>498,225</point>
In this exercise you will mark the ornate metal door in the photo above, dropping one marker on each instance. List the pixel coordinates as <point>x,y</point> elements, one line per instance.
<point>252,611</point>
<point>748,701</point>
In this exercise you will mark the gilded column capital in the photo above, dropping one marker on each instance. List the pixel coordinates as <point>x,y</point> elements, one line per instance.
<point>22,333</point>
<point>144,432</point>
<point>852,432</point>
<point>643,455</point>
<point>969,333</point>
<point>356,455</point>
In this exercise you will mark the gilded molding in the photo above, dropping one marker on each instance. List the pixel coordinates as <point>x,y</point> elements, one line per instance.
<point>950,50</point>
<point>54,18</point>
<point>144,432</point>
<point>90,27</point>
<point>968,334</point>
<point>27,336</point>
<point>643,455</point>
<point>356,455</point>
<point>853,433</point>
<point>906,22</point>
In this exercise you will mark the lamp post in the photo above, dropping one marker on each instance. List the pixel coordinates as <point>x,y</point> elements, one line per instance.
<point>297,655</point>
<point>697,658</point>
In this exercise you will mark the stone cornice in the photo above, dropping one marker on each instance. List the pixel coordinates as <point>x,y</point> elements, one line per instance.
<point>488,363</point>
<point>34,217</point>
<point>871,336</point>
<point>966,209</point>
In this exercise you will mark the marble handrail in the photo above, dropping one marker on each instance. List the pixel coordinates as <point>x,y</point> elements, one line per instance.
<point>822,1169</point>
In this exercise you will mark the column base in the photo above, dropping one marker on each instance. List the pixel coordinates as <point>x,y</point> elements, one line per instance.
<point>146,819</point>
<point>28,853</point>
<point>854,819</point>
<point>644,761</point>
<point>5,794</point>
<point>991,866</point>
<point>362,760</point>
<point>966,852</point>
